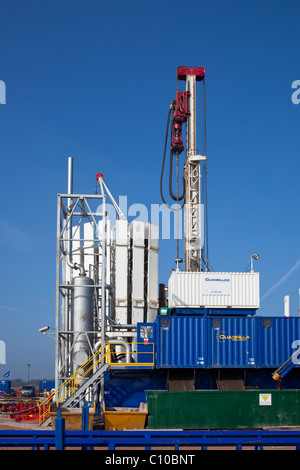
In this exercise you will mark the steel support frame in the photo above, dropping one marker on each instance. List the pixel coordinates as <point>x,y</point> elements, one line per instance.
<point>79,207</point>
<point>193,209</point>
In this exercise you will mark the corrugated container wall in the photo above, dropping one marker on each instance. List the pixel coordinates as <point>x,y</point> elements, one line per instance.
<point>279,337</point>
<point>223,290</point>
<point>183,342</point>
<point>240,342</point>
<point>233,342</point>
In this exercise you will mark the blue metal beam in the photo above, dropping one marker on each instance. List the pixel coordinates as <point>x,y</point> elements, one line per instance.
<point>61,439</point>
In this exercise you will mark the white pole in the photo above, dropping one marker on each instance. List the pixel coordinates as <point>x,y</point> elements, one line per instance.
<point>191,122</point>
<point>286,305</point>
<point>70,175</point>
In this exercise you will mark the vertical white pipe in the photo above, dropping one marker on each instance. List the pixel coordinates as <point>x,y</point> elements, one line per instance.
<point>70,231</point>
<point>286,305</point>
<point>191,121</point>
<point>70,175</point>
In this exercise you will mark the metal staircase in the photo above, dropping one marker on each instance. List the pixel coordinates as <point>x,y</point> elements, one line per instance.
<point>85,381</point>
<point>74,389</point>
<point>80,394</point>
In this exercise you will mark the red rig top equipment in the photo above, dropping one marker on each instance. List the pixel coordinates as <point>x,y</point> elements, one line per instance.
<point>180,107</point>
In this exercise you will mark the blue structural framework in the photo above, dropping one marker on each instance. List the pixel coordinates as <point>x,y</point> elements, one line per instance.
<point>255,345</point>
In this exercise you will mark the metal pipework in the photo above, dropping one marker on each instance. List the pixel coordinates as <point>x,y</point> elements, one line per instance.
<point>70,234</point>
<point>117,342</point>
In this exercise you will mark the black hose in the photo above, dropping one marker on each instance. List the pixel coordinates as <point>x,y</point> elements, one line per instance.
<point>173,196</point>
<point>163,166</point>
<point>164,157</point>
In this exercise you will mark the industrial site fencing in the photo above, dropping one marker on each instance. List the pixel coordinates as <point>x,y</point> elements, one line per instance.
<point>183,443</point>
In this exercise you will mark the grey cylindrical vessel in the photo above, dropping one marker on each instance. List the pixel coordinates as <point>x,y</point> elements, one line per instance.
<point>82,313</point>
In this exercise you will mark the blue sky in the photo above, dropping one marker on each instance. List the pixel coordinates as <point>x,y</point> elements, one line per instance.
<point>94,80</point>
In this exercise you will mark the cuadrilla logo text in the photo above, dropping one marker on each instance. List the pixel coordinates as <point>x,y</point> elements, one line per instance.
<point>221,337</point>
<point>2,92</point>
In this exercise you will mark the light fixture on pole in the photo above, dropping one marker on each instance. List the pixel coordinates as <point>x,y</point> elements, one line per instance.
<point>252,257</point>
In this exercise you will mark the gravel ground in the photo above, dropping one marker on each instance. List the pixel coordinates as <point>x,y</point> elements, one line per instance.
<point>7,423</point>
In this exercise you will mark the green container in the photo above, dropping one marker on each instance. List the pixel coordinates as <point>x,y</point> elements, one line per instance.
<point>215,409</point>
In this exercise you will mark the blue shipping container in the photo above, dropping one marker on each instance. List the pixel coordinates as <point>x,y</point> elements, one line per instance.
<point>233,342</point>
<point>279,337</point>
<point>182,342</point>
<point>5,385</point>
<point>46,385</point>
<point>220,342</point>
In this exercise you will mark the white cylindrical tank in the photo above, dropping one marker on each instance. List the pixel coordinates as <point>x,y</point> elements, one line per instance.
<point>82,313</point>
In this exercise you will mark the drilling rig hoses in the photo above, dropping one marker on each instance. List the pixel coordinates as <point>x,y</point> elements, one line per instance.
<point>173,196</point>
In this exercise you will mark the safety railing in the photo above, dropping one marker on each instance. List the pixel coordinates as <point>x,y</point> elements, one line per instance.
<point>90,366</point>
<point>184,443</point>
<point>59,395</point>
<point>139,357</point>
<point>105,355</point>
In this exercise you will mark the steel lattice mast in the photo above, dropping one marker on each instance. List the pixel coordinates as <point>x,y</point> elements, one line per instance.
<point>193,207</point>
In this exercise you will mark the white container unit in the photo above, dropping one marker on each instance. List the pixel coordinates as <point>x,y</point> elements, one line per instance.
<point>213,290</point>
<point>136,272</point>
<point>121,272</point>
<point>151,255</point>
<point>137,234</point>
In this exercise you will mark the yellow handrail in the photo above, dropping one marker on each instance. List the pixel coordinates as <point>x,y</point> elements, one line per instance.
<point>134,354</point>
<point>69,386</point>
<point>93,361</point>
<point>44,407</point>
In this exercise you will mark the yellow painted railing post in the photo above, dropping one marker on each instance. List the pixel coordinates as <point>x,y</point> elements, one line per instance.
<point>108,354</point>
